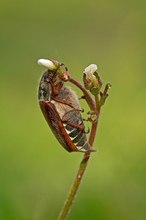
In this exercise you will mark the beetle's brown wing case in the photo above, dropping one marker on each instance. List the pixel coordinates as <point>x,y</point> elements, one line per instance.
<point>71,138</point>
<point>55,123</point>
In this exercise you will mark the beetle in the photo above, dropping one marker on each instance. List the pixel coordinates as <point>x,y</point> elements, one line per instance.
<point>61,108</point>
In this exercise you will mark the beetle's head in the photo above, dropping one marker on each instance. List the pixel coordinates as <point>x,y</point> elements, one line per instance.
<point>62,72</point>
<point>59,69</point>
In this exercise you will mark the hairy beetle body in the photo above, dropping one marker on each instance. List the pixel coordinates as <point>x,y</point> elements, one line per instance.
<point>61,109</point>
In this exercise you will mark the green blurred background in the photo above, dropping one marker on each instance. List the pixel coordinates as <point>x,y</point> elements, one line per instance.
<point>35,172</point>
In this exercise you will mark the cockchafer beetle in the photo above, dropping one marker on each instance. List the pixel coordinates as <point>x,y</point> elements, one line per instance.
<point>61,108</point>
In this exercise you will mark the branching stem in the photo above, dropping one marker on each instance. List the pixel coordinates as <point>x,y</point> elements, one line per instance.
<point>94,106</point>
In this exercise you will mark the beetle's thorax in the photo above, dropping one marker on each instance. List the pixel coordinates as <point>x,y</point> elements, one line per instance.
<point>50,85</point>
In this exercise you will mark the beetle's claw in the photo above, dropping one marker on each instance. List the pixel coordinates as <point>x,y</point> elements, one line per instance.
<point>85,119</point>
<point>92,116</point>
<point>82,97</point>
<point>90,112</point>
<point>82,110</point>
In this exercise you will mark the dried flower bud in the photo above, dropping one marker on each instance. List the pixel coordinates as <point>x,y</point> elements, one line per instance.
<point>91,79</point>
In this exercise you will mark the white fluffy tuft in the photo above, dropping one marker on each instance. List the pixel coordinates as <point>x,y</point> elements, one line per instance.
<point>47,63</point>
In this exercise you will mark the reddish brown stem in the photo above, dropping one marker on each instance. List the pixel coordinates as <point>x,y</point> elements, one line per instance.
<point>87,96</point>
<point>94,106</point>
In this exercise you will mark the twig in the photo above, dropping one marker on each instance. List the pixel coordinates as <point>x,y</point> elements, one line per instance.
<point>94,106</point>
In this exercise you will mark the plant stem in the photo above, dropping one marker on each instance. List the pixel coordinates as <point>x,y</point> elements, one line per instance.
<point>90,101</point>
<point>94,106</point>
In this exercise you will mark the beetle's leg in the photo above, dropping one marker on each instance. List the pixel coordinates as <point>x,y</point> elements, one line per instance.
<point>67,103</point>
<point>82,97</point>
<point>80,127</point>
<point>92,117</point>
<point>80,110</point>
<point>62,102</point>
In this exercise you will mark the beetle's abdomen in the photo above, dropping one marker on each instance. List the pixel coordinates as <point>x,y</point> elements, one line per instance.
<point>74,127</point>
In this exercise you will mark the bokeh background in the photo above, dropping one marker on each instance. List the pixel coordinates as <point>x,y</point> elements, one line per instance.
<point>35,172</point>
